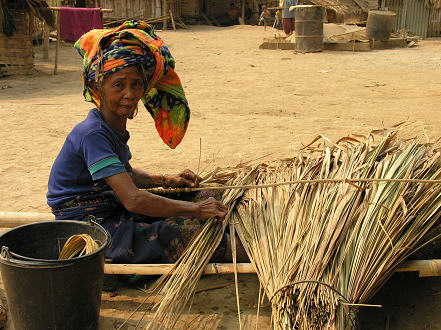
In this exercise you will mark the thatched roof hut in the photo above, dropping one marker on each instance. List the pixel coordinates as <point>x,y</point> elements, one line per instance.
<point>348,8</point>
<point>16,26</point>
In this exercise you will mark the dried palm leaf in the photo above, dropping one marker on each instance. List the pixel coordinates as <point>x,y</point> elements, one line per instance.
<point>78,245</point>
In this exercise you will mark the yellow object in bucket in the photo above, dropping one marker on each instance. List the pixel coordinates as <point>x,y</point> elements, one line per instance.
<point>78,245</point>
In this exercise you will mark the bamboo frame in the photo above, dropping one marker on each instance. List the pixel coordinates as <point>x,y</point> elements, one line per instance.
<point>11,219</point>
<point>425,268</point>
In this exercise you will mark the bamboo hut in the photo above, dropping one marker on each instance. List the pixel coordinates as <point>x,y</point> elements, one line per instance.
<point>189,10</point>
<point>16,34</point>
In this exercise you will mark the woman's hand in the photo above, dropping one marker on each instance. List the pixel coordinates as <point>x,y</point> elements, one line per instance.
<point>211,208</point>
<point>184,179</point>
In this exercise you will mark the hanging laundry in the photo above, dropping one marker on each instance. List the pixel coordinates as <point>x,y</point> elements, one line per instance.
<point>74,22</point>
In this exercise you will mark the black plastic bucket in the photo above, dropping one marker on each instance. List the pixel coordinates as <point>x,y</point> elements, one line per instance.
<point>44,292</point>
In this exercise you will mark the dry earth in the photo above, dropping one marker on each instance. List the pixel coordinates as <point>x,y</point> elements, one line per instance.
<point>246,103</point>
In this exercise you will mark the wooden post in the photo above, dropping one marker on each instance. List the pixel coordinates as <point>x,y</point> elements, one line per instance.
<point>57,49</point>
<point>126,3</point>
<point>164,13</point>
<point>172,20</point>
<point>242,22</point>
<point>31,26</point>
<point>46,41</point>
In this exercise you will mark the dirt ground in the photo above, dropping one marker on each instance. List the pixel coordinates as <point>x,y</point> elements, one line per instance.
<point>246,103</point>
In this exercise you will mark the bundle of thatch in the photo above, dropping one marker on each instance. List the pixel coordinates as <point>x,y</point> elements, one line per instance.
<point>324,230</point>
<point>322,250</point>
<point>436,4</point>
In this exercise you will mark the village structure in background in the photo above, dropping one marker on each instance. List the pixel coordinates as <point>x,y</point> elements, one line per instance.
<point>420,18</point>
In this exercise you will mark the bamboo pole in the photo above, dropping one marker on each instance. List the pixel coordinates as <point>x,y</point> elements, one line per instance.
<point>157,20</point>
<point>103,10</point>
<point>46,41</point>
<point>164,13</point>
<point>284,183</point>
<point>159,269</point>
<point>172,20</point>
<point>13,219</point>
<point>181,22</point>
<point>57,49</point>
<point>122,20</point>
<point>426,268</point>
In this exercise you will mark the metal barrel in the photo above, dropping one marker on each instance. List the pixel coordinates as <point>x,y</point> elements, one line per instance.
<point>309,28</point>
<point>380,24</point>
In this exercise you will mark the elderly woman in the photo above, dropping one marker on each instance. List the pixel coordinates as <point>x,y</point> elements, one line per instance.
<point>92,174</point>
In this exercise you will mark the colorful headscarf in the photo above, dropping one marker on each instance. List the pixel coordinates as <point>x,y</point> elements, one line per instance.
<point>135,43</point>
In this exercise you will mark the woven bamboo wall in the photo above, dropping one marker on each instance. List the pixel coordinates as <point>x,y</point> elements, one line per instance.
<point>190,8</point>
<point>132,8</point>
<point>16,51</point>
<point>434,29</point>
<point>218,7</point>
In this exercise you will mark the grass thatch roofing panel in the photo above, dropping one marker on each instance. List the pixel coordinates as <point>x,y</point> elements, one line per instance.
<point>345,7</point>
<point>38,7</point>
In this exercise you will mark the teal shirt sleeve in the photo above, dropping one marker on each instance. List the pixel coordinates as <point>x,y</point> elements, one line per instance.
<point>108,171</point>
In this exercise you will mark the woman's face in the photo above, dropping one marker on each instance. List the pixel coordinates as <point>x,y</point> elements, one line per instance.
<point>121,92</point>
